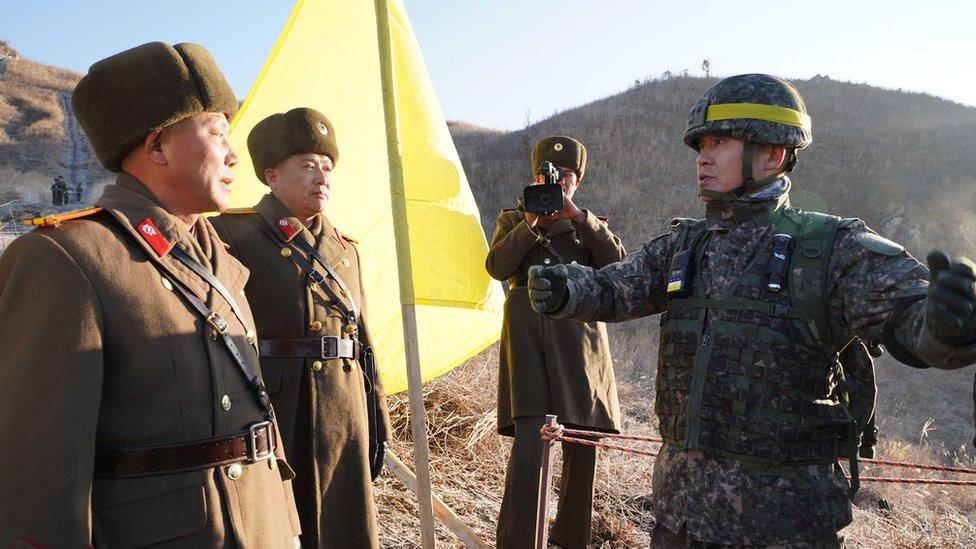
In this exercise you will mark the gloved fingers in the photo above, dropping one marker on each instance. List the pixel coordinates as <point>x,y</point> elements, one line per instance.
<point>938,261</point>
<point>946,318</point>
<point>964,267</point>
<point>539,305</point>
<point>539,284</point>
<point>541,295</point>
<point>951,300</point>
<point>536,271</point>
<point>560,271</point>
<point>961,284</point>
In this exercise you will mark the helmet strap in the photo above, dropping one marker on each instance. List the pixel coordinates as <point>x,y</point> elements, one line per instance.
<point>791,160</point>
<point>748,150</point>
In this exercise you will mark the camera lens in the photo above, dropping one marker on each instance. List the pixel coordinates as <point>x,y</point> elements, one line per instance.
<point>545,199</point>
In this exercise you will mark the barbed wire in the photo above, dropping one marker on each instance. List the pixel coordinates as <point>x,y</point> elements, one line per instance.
<point>653,453</point>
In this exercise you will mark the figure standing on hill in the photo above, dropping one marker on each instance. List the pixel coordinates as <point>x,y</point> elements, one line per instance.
<point>551,366</point>
<point>58,191</point>
<point>310,309</point>
<point>134,412</point>
<point>759,299</point>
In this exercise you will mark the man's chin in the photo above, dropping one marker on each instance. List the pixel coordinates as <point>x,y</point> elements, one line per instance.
<point>319,204</point>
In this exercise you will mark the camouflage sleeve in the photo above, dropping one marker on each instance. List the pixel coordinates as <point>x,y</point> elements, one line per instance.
<point>631,288</point>
<point>602,243</point>
<point>878,293</point>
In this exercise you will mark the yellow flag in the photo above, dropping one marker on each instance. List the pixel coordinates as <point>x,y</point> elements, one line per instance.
<point>398,188</point>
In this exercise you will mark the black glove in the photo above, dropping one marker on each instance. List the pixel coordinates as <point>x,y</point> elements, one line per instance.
<point>950,312</point>
<point>547,288</point>
<point>376,461</point>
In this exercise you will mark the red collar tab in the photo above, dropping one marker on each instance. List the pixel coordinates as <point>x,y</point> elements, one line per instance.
<point>338,237</point>
<point>287,228</point>
<point>152,236</point>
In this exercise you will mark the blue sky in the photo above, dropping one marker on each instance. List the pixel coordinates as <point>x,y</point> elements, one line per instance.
<point>498,63</point>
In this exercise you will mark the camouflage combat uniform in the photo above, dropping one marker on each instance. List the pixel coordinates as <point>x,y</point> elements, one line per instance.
<point>725,500</point>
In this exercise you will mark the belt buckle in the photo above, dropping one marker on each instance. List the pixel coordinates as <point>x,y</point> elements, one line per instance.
<point>253,455</point>
<point>217,322</point>
<point>330,347</point>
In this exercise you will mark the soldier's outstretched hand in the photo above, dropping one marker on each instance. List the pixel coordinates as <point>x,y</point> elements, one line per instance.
<point>547,288</point>
<point>951,311</point>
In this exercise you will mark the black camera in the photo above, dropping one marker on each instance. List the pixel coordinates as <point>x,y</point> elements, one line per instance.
<point>546,198</point>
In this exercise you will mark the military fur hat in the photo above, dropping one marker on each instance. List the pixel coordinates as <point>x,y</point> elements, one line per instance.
<point>758,108</point>
<point>281,135</point>
<point>561,151</point>
<point>130,94</point>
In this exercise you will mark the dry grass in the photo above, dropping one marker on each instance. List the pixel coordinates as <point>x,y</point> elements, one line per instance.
<point>32,134</point>
<point>468,459</point>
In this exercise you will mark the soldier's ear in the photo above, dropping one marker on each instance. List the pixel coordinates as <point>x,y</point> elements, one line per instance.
<point>271,176</point>
<point>776,158</point>
<point>153,145</point>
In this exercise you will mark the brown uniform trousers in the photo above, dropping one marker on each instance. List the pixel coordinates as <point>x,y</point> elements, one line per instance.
<point>321,404</point>
<point>549,366</point>
<point>99,351</point>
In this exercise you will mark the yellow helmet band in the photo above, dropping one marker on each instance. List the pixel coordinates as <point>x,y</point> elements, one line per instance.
<point>769,113</point>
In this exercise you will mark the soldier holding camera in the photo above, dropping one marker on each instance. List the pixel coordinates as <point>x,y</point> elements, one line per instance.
<point>550,366</point>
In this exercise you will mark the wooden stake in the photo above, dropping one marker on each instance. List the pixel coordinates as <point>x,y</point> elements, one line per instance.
<point>418,426</point>
<point>545,478</point>
<point>445,514</point>
<point>418,418</point>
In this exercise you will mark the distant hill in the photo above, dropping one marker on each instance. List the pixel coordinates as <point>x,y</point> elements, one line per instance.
<point>39,137</point>
<point>903,162</point>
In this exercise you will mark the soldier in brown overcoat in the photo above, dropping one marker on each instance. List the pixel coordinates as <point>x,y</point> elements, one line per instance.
<point>133,408</point>
<point>307,295</point>
<point>551,366</point>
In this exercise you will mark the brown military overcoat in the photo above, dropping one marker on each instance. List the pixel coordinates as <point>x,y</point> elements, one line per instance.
<point>97,350</point>
<point>321,404</point>
<point>550,366</point>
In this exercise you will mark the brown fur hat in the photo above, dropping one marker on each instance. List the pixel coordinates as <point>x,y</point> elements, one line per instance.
<point>298,131</point>
<point>126,96</point>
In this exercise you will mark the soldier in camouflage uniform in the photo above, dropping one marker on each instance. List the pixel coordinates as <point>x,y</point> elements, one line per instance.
<point>747,377</point>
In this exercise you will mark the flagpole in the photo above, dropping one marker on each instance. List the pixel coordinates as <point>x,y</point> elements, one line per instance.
<point>418,415</point>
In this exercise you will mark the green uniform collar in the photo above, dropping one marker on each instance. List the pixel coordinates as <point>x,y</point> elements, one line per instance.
<point>756,208</point>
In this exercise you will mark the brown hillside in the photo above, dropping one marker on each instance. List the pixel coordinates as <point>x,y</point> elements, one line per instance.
<point>32,134</point>
<point>40,139</point>
<point>901,161</point>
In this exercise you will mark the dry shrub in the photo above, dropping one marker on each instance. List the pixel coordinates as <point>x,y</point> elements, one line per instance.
<point>465,453</point>
<point>38,75</point>
<point>27,187</point>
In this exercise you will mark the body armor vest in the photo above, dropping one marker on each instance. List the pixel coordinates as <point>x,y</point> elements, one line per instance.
<point>759,380</point>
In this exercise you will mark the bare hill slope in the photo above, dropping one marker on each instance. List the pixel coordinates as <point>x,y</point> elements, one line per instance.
<point>39,136</point>
<point>901,161</point>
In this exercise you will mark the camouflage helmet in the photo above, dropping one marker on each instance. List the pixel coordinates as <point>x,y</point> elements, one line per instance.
<point>756,108</point>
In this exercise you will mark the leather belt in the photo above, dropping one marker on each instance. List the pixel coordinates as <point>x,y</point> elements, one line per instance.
<point>258,443</point>
<point>325,347</point>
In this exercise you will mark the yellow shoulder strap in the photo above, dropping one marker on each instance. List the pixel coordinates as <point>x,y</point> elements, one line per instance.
<point>55,220</point>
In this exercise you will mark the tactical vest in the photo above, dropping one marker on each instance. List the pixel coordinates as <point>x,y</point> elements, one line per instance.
<point>759,382</point>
